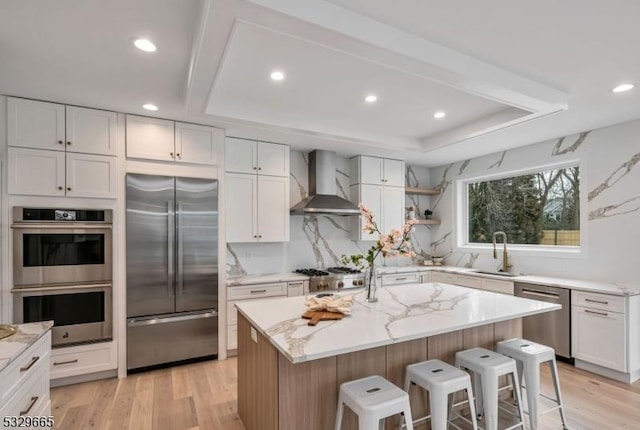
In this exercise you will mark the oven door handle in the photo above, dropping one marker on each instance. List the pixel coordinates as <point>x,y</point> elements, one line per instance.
<point>60,288</point>
<point>61,226</point>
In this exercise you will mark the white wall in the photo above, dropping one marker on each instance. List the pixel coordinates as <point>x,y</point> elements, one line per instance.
<point>609,159</point>
<point>318,241</point>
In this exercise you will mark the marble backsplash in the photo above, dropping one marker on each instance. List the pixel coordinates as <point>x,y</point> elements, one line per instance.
<point>320,241</point>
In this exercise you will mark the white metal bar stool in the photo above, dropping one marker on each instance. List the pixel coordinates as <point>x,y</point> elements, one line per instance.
<point>529,355</point>
<point>487,367</point>
<point>372,399</point>
<point>441,380</point>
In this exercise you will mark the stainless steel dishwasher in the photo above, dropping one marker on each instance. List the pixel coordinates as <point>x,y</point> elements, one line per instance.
<point>550,328</point>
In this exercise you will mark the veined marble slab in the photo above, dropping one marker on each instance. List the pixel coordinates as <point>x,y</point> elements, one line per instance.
<point>614,288</point>
<point>402,313</point>
<point>264,279</point>
<point>12,346</point>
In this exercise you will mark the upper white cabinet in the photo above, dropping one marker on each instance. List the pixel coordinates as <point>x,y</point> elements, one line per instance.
<point>42,125</point>
<point>57,150</point>
<point>165,140</point>
<point>377,171</point>
<point>250,156</point>
<point>386,203</point>
<point>257,184</point>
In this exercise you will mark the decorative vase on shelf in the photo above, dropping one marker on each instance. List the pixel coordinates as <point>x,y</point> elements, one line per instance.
<point>371,283</point>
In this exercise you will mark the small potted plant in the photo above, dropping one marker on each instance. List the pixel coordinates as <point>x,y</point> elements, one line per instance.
<point>428,213</point>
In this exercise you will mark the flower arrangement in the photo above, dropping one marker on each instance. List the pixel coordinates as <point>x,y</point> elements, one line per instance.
<point>395,243</point>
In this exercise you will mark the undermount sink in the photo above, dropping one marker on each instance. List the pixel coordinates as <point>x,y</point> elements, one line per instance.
<point>505,274</point>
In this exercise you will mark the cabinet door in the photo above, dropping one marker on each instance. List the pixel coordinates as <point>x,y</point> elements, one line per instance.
<point>241,156</point>
<point>273,209</point>
<point>36,172</point>
<point>371,170</point>
<point>393,172</point>
<point>91,176</point>
<point>197,144</point>
<point>273,159</point>
<point>598,337</point>
<point>445,278</point>
<point>34,124</point>
<point>150,138</point>
<point>371,197</point>
<point>91,131</point>
<point>392,208</point>
<point>241,212</point>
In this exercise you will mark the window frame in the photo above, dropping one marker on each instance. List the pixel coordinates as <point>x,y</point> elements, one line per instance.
<point>461,210</point>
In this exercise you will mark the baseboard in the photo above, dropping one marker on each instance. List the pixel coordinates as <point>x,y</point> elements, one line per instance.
<point>69,380</point>
<point>628,378</point>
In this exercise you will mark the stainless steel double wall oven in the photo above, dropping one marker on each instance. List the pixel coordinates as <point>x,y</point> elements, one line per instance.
<point>62,271</point>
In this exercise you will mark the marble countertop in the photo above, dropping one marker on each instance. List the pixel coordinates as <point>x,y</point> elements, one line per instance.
<point>11,347</point>
<point>264,279</point>
<point>403,312</point>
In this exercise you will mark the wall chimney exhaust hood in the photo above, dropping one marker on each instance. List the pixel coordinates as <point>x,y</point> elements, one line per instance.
<point>322,198</point>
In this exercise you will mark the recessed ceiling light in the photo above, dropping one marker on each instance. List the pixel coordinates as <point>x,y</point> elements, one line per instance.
<point>622,88</point>
<point>439,115</point>
<point>145,45</point>
<point>150,106</point>
<point>371,98</point>
<point>277,75</point>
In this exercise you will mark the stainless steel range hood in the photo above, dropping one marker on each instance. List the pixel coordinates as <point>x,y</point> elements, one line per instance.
<point>322,198</point>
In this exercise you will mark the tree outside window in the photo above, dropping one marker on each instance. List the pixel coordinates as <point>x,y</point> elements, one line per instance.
<point>540,208</point>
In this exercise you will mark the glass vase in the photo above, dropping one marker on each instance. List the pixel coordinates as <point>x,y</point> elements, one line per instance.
<point>371,283</point>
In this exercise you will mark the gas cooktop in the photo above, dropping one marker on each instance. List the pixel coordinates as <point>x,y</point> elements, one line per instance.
<point>333,278</point>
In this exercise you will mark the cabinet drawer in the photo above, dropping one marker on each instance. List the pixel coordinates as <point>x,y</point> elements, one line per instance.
<point>232,337</point>
<point>469,281</point>
<point>401,278</point>
<point>497,286</point>
<point>30,397</point>
<point>29,362</point>
<point>446,278</point>
<point>257,291</point>
<point>599,337</point>
<point>81,360</point>
<point>598,301</point>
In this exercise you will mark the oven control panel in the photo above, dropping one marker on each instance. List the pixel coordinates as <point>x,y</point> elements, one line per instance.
<point>64,215</point>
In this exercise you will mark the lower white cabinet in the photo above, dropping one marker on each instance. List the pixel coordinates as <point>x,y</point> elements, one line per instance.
<point>400,279</point>
<point>599,331</point>
<point>24,387</point>
<point>426,277</point>
<point>445,278</point>
<point>83,359</point>
<point>53,173</point>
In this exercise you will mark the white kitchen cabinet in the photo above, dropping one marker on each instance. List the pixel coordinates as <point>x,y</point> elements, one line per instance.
<point>82,360</point>
<point>426,277</point>
<point>386,203</point>
<point>54,173</point>
<point>486,284</point>
<point>400,278</point>
<point>445,278</point>
<point>377,171</point>
<point>262,158</point>
<point>165,140</point>
<point>257,208</point>
<point>56,127</point>
<point>35,124</point>
<point>599,329</point>
<point>25,382</point>
<point>297,288</point>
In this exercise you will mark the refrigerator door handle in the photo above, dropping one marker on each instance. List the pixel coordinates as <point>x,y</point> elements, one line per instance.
<point>136,322</point>
<point>180,259</point>
<point>170,246</point>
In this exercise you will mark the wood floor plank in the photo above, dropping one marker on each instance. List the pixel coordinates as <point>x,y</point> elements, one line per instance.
<point>591,401</point>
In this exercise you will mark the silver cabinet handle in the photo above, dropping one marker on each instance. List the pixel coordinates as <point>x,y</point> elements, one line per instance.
<point>296,284</point>
<point>404,278</point>
<point>541,294</point>
<point>34,399</point>
<point>602,302</point>
<point>258,291</point>
<point>604,314</point>
<point>30,365</point>
<point>60,363</point>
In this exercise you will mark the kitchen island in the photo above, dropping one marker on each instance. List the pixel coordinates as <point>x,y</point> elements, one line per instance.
<point>289,373</point>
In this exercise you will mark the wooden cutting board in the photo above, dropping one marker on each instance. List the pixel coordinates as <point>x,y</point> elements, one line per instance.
<point>317,316</point>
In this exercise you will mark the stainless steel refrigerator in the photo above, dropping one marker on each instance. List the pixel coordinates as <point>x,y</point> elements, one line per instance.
<point>172,269</point>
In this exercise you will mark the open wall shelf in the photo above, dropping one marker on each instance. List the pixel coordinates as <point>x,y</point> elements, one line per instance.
<point>422,191</point>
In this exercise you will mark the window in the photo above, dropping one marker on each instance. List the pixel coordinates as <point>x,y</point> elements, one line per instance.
<point>538,208</point>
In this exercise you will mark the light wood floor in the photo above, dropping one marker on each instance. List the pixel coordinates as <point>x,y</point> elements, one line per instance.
<point>203,396</point>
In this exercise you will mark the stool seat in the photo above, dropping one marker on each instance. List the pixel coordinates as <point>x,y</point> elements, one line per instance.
<point>440,380</point>
<point>372,399</point>
<point>487,367</point>
<point>529,355</point>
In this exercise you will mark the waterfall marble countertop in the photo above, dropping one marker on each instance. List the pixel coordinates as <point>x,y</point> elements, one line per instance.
<point>27,334</point>
<point>402,313</point>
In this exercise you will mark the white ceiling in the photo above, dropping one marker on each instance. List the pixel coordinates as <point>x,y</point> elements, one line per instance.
<point>503,71</point>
